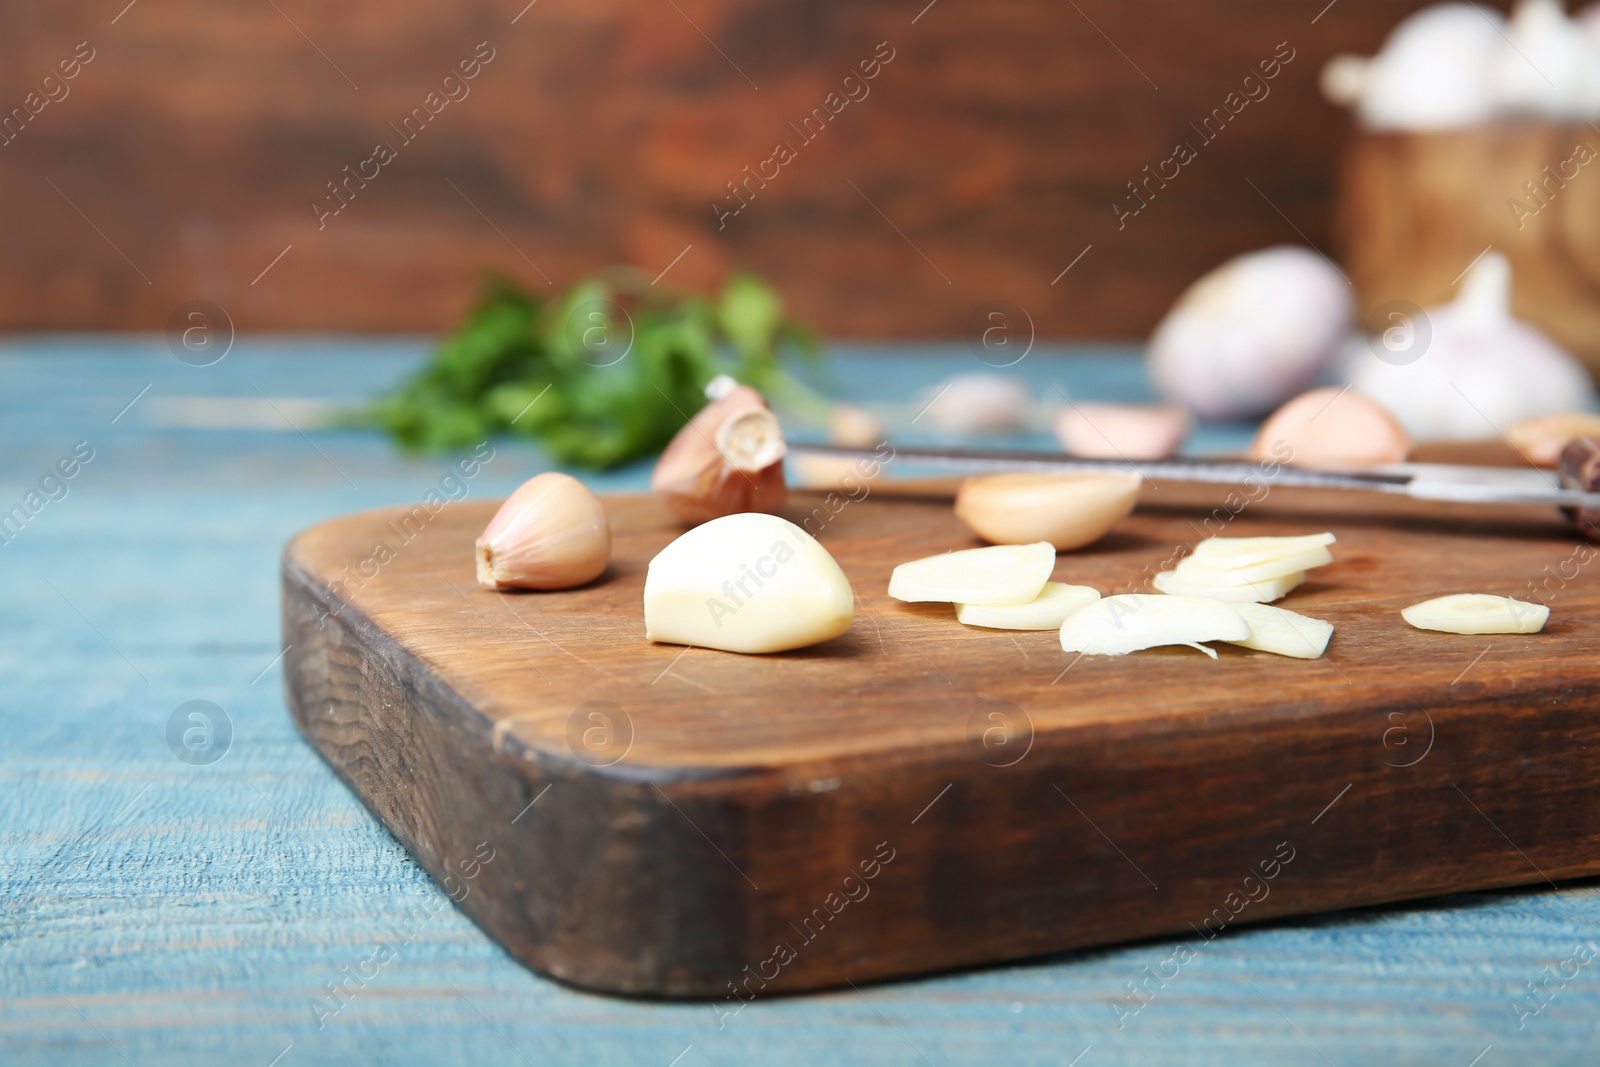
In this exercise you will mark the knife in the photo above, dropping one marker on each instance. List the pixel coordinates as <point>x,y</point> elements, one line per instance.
<point>1570,488</point>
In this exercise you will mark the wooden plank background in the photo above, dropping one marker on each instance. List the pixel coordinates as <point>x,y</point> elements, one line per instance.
<point>184,157</point>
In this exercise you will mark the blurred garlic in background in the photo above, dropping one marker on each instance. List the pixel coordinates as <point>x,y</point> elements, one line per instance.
<point>976,403</point>
<point>1542,438</point>
<point>1451,66</point>
<point>1433,72</point>
<point>1251,333</point>
<point>1331,428</point>
<point>1549,67</point>
<point>850,426</point>
<point>1122,431</point>
<point>1479,370</point>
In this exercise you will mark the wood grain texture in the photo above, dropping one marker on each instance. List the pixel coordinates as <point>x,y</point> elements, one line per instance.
<point>1415,209</point>
<point>996,142</point>
<point>171,915</point>
<point>1131,797</point>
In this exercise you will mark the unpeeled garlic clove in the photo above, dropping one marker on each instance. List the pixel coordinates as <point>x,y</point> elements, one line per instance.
<point>977,403</point>
<point>552,533</point>
<point>727,460</point>
<point>1067,510</point>
<point>1542,438</point>
<point>1122,431</point>
<point>1331,428</point>
<point>850,426</point>
<point>746,583</point>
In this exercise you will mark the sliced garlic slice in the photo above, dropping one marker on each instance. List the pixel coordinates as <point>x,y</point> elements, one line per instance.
<point>1243,551</point>
<point>1283,632</point>
<point>1250,592</point>
<point>1129,622</point>
<point>749,582</point>
<point>997,576</point>
<point>1477,613</point>
<point>1198,572</point>
<point>1046,611</point>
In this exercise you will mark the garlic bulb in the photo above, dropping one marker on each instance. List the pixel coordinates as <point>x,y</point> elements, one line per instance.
<point>1122,431</point>
<point>1252,333</point>
<point>746,583</point>
<point>1067,510</point>
<point>1433,72</point>
<point>1456,65</point>
<point>728,459</point>
<point>976,403</point>
<point>1549,66</point>
<point>1331,428</point>
<point>1482,369</point>
<point>552,533</point>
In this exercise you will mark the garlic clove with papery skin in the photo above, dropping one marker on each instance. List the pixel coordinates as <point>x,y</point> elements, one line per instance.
<point>552,533</point>
<point>1542,438</point>
<point>1251,333</point>
<point>850,426</point>
<point>1331,428</point>
<point>1122,431</point>
<point>976,403</point>
<point>1481,369</point>
<point>727,460</point>
<point>746,583</point>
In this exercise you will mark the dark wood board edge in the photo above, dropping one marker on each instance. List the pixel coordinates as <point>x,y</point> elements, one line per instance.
<point>649,887</point>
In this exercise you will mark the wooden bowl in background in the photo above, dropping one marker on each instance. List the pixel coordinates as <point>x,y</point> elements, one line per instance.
<point>1416,208</point>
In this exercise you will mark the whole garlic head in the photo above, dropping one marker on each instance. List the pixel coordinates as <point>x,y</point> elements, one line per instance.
<point>1433,72</point>
<point>1252,333</point>
<point>1481,371</point>
<point>1549,66</point>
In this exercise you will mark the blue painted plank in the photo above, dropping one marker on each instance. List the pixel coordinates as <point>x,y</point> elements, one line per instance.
<point>153,912</point>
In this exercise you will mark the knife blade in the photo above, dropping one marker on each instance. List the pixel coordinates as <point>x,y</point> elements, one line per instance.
<point>1490,486</point>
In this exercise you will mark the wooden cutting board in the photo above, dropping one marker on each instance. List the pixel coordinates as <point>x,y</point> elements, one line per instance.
<point>918,796</point>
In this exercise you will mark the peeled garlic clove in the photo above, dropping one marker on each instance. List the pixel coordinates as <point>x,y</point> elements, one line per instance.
<point>1252,333</point>
<point>850,426</point>
<point>552,533</point>
<point>727,460</point>
<point>746,583</point>
<point>1542,437</point>
<point>1482,369</point>
<point>1129,622</point>
<point>1067,510</point>
<point>1477,613</point>
<point>1201,573</point>
<point>1244,551</point>
<point>1047,611</point>
<point>1122,431</point>
<point>1282,632</point>
<point>1335,428</point>
<point>977,403</point>
<point>1247,593</point>
<point>992,577</point>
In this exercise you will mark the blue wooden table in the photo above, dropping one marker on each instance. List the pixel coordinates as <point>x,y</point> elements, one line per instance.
<point>156,911</point>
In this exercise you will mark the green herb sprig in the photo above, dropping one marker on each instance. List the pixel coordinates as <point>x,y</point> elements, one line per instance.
<point>606,373</point>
